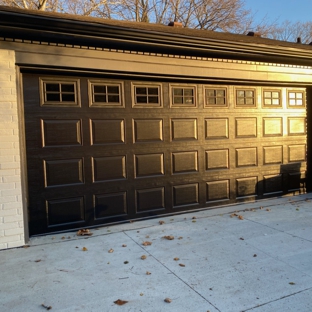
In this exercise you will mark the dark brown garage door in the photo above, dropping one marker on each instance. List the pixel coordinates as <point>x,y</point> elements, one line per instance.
<point>103,150</point>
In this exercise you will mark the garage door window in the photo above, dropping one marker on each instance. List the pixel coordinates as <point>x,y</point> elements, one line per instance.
<point>295,98</point>
<point>272,98</point>
<point>105,94</point>
<point>245,98</point>
<point>146,96</point>
<point>59,92</point>
<point>215,97</point>
<point>183,96</point>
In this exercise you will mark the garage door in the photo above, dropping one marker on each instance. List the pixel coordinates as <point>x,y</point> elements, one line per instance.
<point>106,150</point>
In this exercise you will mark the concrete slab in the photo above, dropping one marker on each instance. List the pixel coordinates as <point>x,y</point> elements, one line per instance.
<point>215,262</point>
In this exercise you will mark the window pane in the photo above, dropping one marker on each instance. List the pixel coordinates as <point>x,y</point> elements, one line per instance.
<point>240,101</point>
<point>220,101</point>
<point>153,91</point>
<point>52,87</point>
<point>249,101</point>
<point>267,94</point>
<point>188,92</point>
<point>53,97</point>
<point>68,88</point>
<point>240,93</point>
<point>177,100</point>
<point>188,100</point>
<point>99,89</point>
<point>100,98</point>
<point>177,91</point>
<point>113,89</point>
<point>220,93</point>
<point>267,101</point>
<point>68,97</point>
<point>113,98</point>
<point>275,95</point>
<point>249,93</point>
<point>140,91</point>
<point>299,95</point>
<point>141,99</point>
<point>210,93</point>
<point>153,99</point>
<point>275,102</point>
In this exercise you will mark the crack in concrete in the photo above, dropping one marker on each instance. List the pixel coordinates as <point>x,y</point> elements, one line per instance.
<point>171,272</point>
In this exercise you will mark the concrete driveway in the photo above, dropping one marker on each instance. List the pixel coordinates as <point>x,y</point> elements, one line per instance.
<point>248,257</point>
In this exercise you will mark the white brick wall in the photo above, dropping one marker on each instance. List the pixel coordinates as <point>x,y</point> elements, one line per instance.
<point>11,207</point>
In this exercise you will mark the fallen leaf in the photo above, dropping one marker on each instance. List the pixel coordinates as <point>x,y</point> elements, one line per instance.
<point>233,215</point>
<point>261,207</point>
<point>84,248</point>
<point>38,260</point>
<point>193,220</point>
<point>143,257</point>
<point>63,237</point>
<point>147,236</point>
<point>171,219</point>
<point>68,237</point>
<point>194,217</point>
<point>241,238</point>
<point>297,209</point>
<point>124,245</point>
<point>147,243</point>
<point>240,217</point>
<point>169,237</point>
<point>180,237</point>
<point>268,209</point>
<point>255,255</point>
<point>84,232</point>
<point>120,302</point>
<point>111,250</point>
<point>46,307</point>
<point>176,259</point>
<point>148,273</point>
<point>126,262</point>
<point>161,222</point>
<point>181,265</point>
<point>76,247</point>
<point>131,221</point>
<point>168,300</point>
<point>141,294</point>
<point>292,283</point>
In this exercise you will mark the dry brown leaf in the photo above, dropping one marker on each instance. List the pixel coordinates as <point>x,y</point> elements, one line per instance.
<point>111,250</point>
<point>38,260</point>
<point>233,215</point>
<point>147,236</point>
<point>292,283</point>
<point>181,265</point>
<point>84,249</point>
<point>46,307</point>
<point>146,243</point>
<point>143,257</point>
<point>193,217</point>
<point>169,237</point>
<point>124,245</point>
<point>84,232</point>
<point>126,262</point>
<point>120,302</point>
<point>148,273</point>
<point>141,294</point>
<point>168,300</point>
<point>161,222</point>
<point>241,238</point>
<point>268,209</point>
<point>176,259</point>
<point>63,237</point>
<point>261,207</point>
<point>180,237</point>
<point>240,217</point>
